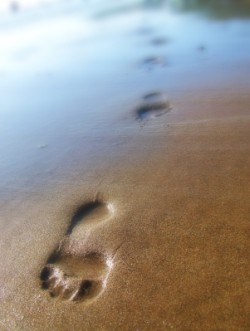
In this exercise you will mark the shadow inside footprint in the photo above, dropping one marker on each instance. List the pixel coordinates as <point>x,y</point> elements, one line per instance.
<point>92,212</point>
<point>154,104</point>
<point>73,276</point>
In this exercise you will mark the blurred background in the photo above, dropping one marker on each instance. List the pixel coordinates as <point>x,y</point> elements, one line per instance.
<point>218,7</point>
<point>63,63</point>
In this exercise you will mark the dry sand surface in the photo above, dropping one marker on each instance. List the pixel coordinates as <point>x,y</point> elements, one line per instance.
<point>125,176</point>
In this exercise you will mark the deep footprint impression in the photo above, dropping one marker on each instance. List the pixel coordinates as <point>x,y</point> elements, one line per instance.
<point>154,104</point>
<point>72,276</point>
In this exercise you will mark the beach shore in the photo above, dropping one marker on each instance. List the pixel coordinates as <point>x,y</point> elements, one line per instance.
<point>125,176</point>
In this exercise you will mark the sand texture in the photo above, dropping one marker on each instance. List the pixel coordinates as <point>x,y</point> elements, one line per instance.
<point>125,171</point>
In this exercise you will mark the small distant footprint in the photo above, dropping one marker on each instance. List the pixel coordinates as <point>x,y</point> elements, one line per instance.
<point>159,41</point>
<point>154,104</point>
<point>152,62</point>
<point>70,275</point>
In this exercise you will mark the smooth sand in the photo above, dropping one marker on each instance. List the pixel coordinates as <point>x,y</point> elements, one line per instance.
<point>154,212</point>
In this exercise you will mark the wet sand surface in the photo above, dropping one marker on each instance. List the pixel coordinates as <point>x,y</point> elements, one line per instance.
<point>125,178</point>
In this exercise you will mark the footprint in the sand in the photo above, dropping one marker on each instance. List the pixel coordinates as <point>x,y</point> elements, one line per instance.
<point>159,41</point>
<point>73,276</point>
<point>152,62</point>
<point>154,104</point>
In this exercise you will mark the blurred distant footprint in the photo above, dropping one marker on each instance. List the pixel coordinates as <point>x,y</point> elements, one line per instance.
<point>152,62</point>
<point>72,276</point>
<point>154,104</point>
<point>159,41</point>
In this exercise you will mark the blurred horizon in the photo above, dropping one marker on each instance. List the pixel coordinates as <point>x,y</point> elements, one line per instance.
<point>216,7</point>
